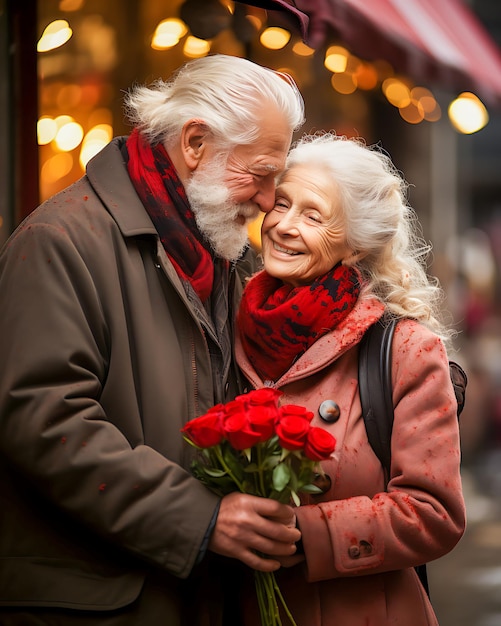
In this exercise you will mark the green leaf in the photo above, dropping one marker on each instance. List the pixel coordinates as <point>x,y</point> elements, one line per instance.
<point>311,489</point>
<point>271,461</point>
<point>234,464</point>
<point>281,476</point>
<point>215,473</point>
<point>293,482</point>
<point>285,454</point>
<point>295,498</point>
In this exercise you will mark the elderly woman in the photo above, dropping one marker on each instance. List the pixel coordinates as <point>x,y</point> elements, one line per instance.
<point>340,249</point>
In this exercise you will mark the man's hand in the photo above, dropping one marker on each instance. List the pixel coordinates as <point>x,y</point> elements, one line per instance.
<point>247,525</point>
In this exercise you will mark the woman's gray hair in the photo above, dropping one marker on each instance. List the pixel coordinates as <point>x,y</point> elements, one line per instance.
<point>381,228</point>
<point>229,94</point>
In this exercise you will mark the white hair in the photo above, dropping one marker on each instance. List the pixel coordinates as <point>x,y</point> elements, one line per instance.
<point>230,94</point>
<point>381,228</point>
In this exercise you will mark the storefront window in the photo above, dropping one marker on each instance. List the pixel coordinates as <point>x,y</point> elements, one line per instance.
<point>90,52</point>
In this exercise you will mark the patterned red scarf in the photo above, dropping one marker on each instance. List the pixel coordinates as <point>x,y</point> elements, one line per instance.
<point>162,193</point>
<point>278,322</point>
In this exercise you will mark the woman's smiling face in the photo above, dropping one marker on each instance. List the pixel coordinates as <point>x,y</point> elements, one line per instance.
<point>303,235</point>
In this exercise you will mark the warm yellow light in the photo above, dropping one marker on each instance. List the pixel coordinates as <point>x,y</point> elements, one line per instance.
<point>431,114</point>
<point>255,21</point>
<point>343,83</point>
<point>69,136</point>
<point>168,33</point>
<point>366,76</point>
<point>61,120</point>
<point>275,38</point>
<point>195,47</point>
<point>426,101</point>
<point>396,92</point>
<point>229,4</point>
<point>94,141</point>
<point>69,97</point>
<point>302,50</point>
<point>254,230</point>
<point>55,35</point>
<point>70,5</point>
<point>100,132</point>
<point>412,113</point>
<point>100,116</point>
<point>46,130</point>
<point>468,114</point>
<point>336,59</point>
<point>56,167</point>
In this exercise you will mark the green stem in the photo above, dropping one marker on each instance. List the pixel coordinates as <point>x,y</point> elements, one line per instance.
<point>260,470</point>
<point>267,601</point>
<point>220,457</point>
<point>282,600</point>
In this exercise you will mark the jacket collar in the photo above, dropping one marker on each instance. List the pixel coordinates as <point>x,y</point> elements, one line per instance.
<point>107,173</point>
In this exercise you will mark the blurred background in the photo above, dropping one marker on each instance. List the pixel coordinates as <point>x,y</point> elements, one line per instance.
<point>422,78</point>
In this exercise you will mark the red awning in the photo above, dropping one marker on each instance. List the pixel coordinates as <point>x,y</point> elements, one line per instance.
<point>433,41</point>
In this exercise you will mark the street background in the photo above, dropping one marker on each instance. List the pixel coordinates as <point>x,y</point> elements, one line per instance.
<point>454,177</point>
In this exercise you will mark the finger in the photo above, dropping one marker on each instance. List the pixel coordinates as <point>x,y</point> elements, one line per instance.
<point>272,548</point>
<point>290,561</point>
<point>260,562</point>
<point>277,531</point>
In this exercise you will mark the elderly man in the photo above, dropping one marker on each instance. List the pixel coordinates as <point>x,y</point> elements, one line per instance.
<point>118,298</point>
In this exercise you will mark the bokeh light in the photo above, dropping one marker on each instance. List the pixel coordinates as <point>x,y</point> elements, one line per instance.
<point>56,34</point>
<point>467,113</point>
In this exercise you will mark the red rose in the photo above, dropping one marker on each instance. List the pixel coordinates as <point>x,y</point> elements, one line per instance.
<point>320,444</point>
<point>239,431</point>
<point>262,420</point>
<point>292,431</point>
<point>235,406</point>
<point>299,411</point>
<point>263,396</point>
<point>205,431</point>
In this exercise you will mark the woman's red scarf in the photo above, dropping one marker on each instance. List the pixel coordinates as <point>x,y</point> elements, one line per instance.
<point>279,322</point>
<point>162,193</point>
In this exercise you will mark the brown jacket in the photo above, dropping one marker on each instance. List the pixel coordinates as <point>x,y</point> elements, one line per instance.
<point>103,360</point>
<point>360,542</point>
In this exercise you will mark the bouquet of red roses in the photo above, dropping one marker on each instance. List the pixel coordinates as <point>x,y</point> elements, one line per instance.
<point>255,446</point>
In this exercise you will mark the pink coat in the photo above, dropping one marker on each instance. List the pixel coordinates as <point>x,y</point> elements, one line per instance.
<point>361,543</point>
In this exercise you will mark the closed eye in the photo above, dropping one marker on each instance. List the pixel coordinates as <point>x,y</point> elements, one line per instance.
<point>315,218</point>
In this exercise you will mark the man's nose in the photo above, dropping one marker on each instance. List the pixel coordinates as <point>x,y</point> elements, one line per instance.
<point>265,195</point>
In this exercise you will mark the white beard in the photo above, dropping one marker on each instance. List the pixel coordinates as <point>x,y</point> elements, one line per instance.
<point>216,214</point>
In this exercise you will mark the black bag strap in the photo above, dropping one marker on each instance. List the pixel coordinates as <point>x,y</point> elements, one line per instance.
<point>375,387</point>
<point>374,379</point>
<point>376,390</point>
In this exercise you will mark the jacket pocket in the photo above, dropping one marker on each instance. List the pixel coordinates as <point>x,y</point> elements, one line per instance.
<point>44,582</point>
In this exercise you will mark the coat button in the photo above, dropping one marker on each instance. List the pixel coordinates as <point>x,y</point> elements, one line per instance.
<point>364,548</point>
<point>329,411</point>
<point>354,552</point>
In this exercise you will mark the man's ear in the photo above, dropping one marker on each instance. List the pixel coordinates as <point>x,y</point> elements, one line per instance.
<point>194,140</point>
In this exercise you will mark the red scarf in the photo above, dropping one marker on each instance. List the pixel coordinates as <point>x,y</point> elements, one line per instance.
<point>162,193</point>
<point>279,322</point>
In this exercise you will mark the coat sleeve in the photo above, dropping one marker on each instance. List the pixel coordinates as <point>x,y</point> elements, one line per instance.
<point>55,350</point>
<point>421,516</point>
